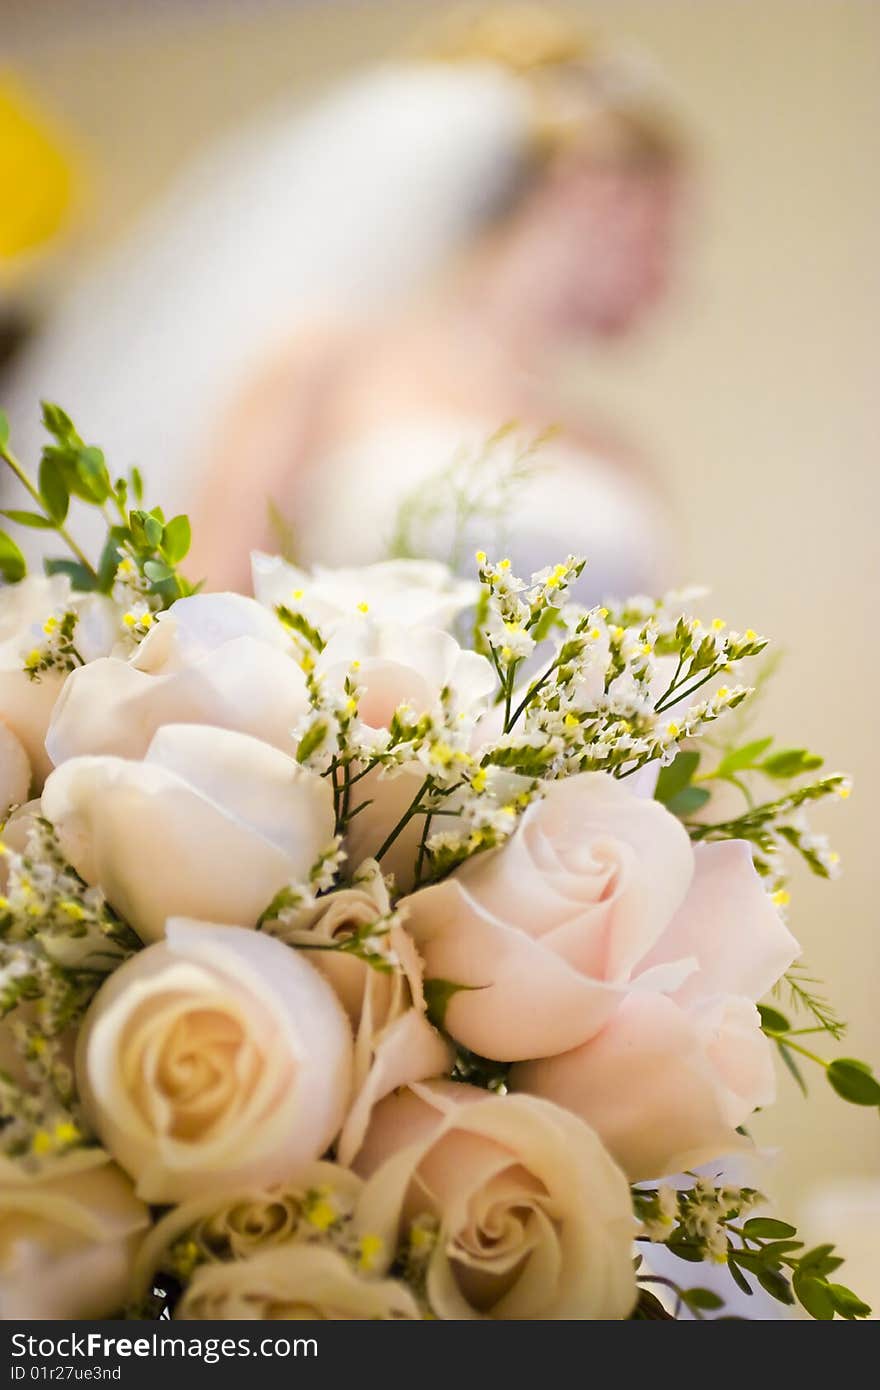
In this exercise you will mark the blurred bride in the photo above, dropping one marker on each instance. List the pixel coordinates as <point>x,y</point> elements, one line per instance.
<point>338,306</point>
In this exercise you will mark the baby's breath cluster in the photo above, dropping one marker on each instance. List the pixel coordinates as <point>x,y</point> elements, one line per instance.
<point>699,1217</point>
<point>58,940</point>
<point>56,648</point>
<point>619,691</point>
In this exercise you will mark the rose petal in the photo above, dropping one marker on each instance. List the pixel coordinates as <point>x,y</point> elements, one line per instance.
<point>728,923</point>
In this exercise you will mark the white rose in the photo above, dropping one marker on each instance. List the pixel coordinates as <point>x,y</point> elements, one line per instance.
<point>26,703</point>
<point>68,1236</point>
<point>15,770</point>
<point>534,1219</point>
<point>667,1081</point>
<point>214,1059</point>
<point>216,659</point>
<point>211,824</point>
<point>414,593</point>
<point>397,665</point>
<point>394,1042</point>
<point>294,1282</point>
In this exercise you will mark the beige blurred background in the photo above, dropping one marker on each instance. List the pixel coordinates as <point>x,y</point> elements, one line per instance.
<point>755,394</point>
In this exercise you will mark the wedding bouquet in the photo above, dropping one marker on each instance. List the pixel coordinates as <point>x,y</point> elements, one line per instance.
<point>350,971</point>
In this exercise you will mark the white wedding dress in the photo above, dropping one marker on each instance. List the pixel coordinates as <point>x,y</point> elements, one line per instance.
<point>567,502</point>
<point>340,210</point>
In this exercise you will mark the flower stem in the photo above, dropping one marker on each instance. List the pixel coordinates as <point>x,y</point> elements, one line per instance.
<point>13,463</point>
<point>413,808</point>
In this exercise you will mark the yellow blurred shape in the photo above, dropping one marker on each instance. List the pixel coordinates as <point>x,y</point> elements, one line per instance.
<point>36,177</point>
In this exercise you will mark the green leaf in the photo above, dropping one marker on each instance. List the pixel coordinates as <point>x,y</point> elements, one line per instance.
<point>815,1296</point>
<point>153,530</point>
<point>137,484</point>
<point>702,1298</point>
<point>776,1284</point>
<point>740,758</point>
<point>4,429</point>
<point>685,802</point>
<point>772,1020</point>
<point>819,1261</point>
<point>749,1259</point>
<point>177,539</point>
<point>767,1227</point>
<point>158,571</point>
<point>694,1254</point>
<point>776,1248</point>
<point>738,1277</point>
<point>791,762</point>
<point>846,1303</point>
<point>53,489</point>
<point>437,996</point>
<point>674,778</point>
<point>32,519</point>
<point>57,422</point>
<point>649,1308</point>
<point>109,561</point>
<point>12,563</point>
<point>92,472</point>
<point>80,578</point>
<point>63,461</point>
<point>854,1081</point>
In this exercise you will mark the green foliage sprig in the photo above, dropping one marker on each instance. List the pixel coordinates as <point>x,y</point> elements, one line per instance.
<point>707,1222</point>
<point>141,548</point>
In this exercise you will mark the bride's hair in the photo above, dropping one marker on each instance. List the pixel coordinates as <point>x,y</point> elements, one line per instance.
<point>605,106</point>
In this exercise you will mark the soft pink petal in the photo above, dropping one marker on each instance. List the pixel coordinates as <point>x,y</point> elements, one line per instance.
<point>523,1000</point>
<point>647,1087</point>
<point>729,924</point>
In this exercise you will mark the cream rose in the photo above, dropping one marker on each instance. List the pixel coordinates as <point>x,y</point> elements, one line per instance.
<point>292,1282</point>
<point>214,1059</point>
<point>68,1236</point>
<point>240,1224</point>
<point>27,703</point>
<point>534,1220</point>
<point>668,1080</point>
<point>414,593</point>
<point>211,824</point>
<point>211,659</point>
<point>394,1042</point>
<point>546,931</point>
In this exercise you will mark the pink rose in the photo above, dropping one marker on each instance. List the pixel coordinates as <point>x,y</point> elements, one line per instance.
<point>546,932</point>
<point>668,1080</point>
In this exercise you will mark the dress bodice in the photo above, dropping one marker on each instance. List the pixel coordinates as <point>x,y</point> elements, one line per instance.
<point>566,501</point>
